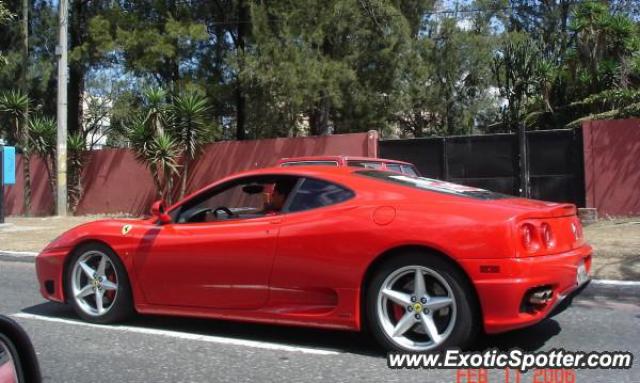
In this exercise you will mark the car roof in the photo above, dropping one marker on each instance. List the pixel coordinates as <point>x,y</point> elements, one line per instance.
<point>341,157</point>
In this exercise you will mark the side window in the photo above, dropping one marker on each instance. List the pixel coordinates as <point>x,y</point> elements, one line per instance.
<point>313,193</point>
<point>410,170</point>
<point>365,164</point>
<point>251,197</point>
<point>394,168</point>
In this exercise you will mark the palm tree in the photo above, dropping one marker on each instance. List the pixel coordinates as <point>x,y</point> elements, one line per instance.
<point>42,137</point>
<point>76,146</point>
<point>155,103</point>
<point>15,105</point>
<point>158,151</point>
<point>190,129</point>
<point>163,153</point>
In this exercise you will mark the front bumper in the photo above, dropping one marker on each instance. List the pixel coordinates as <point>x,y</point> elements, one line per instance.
<point>50,272</point>
<point>503,286</point>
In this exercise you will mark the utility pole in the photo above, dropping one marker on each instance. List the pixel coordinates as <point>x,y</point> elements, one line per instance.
<point>25,59</point>
<point>523,151</point>
<point>61,152</point>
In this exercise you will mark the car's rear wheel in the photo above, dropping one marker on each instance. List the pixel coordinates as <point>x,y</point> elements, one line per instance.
<point>418,302</point>
<point>98,286</point>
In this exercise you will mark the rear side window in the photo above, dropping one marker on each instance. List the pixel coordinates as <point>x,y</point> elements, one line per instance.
<point>402,168</point>
<point>365,164</point>
<point>410,170</point>
<point>313,193</point>
<point>394,168</point>
<point>310,163</point>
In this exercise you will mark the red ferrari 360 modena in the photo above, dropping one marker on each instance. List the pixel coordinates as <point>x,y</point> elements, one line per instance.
<point>423,264</point>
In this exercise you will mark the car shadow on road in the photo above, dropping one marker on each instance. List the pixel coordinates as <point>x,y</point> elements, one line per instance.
<point>530,339</point>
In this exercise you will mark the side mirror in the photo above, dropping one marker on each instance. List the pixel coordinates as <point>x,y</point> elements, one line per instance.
<point>18,361</point>
<point>158,211</point>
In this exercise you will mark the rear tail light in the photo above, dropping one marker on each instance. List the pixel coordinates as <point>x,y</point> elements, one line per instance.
<point>576,228</point>
<point>529,237</point>
<point>547,235</point>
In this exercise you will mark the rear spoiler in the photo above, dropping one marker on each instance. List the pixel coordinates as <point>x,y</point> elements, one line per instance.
<point>555,211</point>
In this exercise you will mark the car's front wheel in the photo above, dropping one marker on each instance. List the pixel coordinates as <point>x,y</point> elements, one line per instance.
<point>97,285</point>
<point>419,302</point>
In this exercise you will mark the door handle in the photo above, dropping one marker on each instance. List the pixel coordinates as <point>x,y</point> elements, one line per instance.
<point>275,220</point>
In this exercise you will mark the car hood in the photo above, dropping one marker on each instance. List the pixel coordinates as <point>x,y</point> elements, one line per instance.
<point>101,230</point>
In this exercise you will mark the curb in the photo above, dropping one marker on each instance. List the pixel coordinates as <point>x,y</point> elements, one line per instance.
<point>597,288</point>
<point>17,256</point>
<point>616,291</point>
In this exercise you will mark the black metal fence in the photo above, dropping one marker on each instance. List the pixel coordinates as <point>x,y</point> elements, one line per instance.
<point>556,170</point>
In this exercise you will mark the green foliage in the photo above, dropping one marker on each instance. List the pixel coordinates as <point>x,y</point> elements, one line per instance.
<point>515,66</point>
<point>5,16</point>
<point>188,124</point>
<point>332,66</point>
<point>42,136</point>
<point>14,105</point>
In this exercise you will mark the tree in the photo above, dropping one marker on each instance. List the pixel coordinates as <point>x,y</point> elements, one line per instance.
<point>514,68</point>
<point>76,148</point>
<point>5,16</point>
<point>158,151</point>
<point>190,129</point>
<point>42,138</point>
<point>14,104</point>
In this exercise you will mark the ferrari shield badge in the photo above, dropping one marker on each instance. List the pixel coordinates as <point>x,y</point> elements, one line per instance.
<point>126,229</point>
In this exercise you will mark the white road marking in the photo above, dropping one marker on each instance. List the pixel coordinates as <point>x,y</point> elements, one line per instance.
<point>612,282</point>
<point>19,254</point>
<point>184,335</point>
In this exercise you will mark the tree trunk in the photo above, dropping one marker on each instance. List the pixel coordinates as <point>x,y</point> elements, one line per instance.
<point>241,102</point>
<point>185,175</point>
<point>76,96</point>
<point>74,186</point>
<point>75,87</point>
<point>24,85</point>
<point>319,117</point>
<point>156,181</point>
<point>26,162</point>
<point>49,163</point>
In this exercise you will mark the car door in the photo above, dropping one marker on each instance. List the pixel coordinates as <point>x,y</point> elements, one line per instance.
<point>222,264</point>
<point>319,247</point>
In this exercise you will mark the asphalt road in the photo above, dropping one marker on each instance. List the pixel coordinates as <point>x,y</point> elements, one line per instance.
<point>159,349</point>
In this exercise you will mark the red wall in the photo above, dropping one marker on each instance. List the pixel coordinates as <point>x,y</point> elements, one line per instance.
<point>114,182</point>
<point>612,166</point>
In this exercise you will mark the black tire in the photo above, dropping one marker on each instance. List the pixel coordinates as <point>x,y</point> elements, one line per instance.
<point>122,307</point>
<point>467,321</point>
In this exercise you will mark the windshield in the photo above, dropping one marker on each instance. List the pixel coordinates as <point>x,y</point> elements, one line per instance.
<point>431,184</point>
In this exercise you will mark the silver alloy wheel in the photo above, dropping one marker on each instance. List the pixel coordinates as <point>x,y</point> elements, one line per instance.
<point>425,304</point>
<point>94,283</point>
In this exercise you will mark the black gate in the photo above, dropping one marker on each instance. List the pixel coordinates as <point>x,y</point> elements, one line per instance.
<point>556,171</point>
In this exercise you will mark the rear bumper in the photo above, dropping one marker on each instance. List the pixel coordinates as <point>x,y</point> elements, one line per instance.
<point>503,290</point>
<point>50,269</point>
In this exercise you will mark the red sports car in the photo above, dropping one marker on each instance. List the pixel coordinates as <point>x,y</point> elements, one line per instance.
<point>423,264</point>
